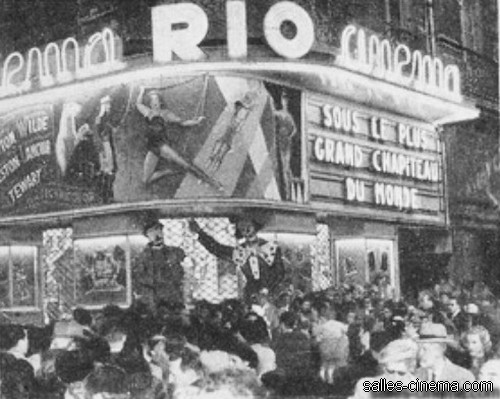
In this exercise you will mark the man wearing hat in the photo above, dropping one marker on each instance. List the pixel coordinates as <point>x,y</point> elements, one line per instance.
<point>259,260</point>
<point>159,273</point>
<point>434,365</point>
<point>397,360</point>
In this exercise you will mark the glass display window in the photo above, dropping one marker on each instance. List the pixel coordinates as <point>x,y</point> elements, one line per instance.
<point>367,262</point>
<point>19,283</point>
<point>102,271</point>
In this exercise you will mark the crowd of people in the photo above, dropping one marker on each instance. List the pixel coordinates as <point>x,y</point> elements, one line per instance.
<point>328,343</point>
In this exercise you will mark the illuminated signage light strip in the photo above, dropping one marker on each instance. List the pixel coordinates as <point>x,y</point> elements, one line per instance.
<point>329,76</point>
<point>15,64</point>
<point>373,56</point>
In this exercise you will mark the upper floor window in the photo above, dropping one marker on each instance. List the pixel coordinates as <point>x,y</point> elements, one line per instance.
<point>472,25</point>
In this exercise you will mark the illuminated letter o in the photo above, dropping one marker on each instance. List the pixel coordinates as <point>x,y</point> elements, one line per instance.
<point>298,46</point>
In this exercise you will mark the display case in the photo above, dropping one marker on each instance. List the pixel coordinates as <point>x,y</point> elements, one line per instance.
<point>367,262</point>
<point>19,279</point>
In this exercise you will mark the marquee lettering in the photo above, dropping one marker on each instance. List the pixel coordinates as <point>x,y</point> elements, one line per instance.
<point>178,29</point>
<point>374,56</point>
<point>60,63</point>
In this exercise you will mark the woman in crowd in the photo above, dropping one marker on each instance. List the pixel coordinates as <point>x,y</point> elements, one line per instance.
<point>478,346</point>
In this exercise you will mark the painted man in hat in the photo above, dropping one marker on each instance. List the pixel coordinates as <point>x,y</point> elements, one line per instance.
<point>434,365</point>
<point>159,273</point>
<point>259,260</point>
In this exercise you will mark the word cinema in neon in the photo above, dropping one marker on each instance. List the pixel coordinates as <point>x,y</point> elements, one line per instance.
<point>61,63</point>
<point>371,55</point>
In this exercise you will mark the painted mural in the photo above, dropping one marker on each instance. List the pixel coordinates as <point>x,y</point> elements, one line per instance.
<point>199,136</point>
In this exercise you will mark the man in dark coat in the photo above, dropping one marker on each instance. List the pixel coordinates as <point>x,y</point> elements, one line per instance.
<point>159,275</point>
<point>259,260</point>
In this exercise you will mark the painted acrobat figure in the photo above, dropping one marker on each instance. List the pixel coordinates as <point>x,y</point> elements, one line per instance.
<point>160,140</point>
<point>224,143</point>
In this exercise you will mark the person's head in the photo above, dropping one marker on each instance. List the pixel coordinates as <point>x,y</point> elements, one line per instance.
<point>16,377</point>
<point>284,300</point>
<point>433,340</point>
<point>247,228</point>
<point>477,341</point>
<point>285,99</point>
<point>107,382</point>
<point>399,357</point>
<point>72,366</point>
<point>425,300</point>
<point>263,297</point>
<point>348,295</point>
<point>453,305</point>
<point>175,345</point>
<point>324,309</point>
<point>306,305</point>
<point>202,310</point>
<point>82,316</point>
<point>155,102</point>
<point>430,352</point>
<point>288,321</point>
<point>387,310</point>
<point>351,317</point>
<point>304,324</point>
<point>163,311</point>
<point>254,329</point>
<point>472,314</point>
<point>14,338</point>
<point>153,230</point>
<point>490,371</point>
<point>157,345</point>
<point>444,298</point>
<point>116,336</point>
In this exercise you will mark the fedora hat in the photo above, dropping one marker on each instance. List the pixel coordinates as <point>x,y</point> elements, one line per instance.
<point>398,350</point>
<point>434,333</point>
<point>471,308</point>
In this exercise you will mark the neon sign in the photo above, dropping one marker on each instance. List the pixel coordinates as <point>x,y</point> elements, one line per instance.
<point>60,63</point>
<point>364,53</point>
<point>377,57</point>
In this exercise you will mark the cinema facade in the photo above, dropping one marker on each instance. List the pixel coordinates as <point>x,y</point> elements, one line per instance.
<point>339,154</point>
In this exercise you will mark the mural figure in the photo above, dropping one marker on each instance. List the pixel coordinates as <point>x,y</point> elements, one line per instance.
<point>285,131</point>
<point>259,260</point>
<point>224,143</point>
<point>107,154</point>
<point>158,274</point>
<point>161,140</point>
<point>66,138</point>
<point>84,163</point>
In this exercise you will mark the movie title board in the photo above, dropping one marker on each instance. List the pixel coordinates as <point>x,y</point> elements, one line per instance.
<point>372,163</point>
<point>26,148</point>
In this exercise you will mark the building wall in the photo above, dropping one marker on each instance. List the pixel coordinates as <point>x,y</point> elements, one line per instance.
<point>465,32</point>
